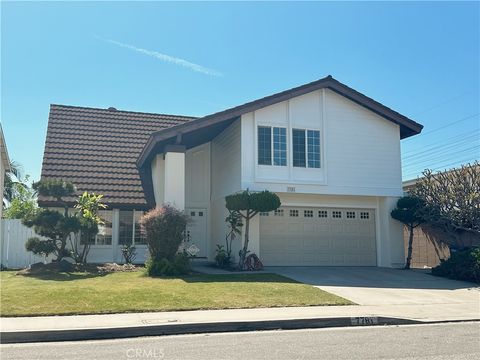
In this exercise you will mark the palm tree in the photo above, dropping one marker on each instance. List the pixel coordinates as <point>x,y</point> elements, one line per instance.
<point>14,176</point>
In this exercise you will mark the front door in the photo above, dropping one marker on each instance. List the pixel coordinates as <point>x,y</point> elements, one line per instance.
<point>197,230</point>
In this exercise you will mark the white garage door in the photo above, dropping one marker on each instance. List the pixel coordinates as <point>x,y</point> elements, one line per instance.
<point>307,236</point>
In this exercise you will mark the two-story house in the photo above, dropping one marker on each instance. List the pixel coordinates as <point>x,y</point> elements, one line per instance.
<point>331,153</point>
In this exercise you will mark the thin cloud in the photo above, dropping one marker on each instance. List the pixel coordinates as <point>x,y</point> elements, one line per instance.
<point>166,58</point>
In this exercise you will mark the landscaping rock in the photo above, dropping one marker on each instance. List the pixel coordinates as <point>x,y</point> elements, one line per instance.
<point>114,267</point>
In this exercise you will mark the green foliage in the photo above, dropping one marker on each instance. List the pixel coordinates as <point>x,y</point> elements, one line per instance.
<point>223,258</point>
<point>462,265</point>
<point>88,205</point>
<point>247,205</point>
<point>164,231</point>
<point>129,253</point>
<point>40,247</point>
<point>180,265</point>
<point>408,211</point>
<point>451,200</point>
<point>55,188</point>
<point>52,224</point>
<point>58,228</point>
<point>23,202</point>
<point>13,178</point>
<point>255,202</point>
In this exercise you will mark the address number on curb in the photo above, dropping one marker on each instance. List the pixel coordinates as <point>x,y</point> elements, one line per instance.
<point>364,320</point>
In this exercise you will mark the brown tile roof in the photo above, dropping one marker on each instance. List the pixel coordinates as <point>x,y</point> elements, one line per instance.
<point>97,149</point>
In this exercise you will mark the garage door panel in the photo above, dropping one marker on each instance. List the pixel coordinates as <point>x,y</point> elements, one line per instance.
<point>314,237</point>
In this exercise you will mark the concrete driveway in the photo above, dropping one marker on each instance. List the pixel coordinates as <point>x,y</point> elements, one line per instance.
<point>383,286</point>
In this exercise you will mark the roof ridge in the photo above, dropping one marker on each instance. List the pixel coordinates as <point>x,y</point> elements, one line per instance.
<point>122,111</point>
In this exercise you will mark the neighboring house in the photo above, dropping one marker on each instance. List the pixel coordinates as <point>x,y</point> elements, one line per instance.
<point>331,154</point>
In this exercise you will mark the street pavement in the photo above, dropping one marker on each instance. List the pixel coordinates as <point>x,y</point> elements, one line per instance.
<point>439,341</point>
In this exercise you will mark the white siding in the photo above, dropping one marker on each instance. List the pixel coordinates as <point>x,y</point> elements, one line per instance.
<point>360,151</point>
<point>226,162</point>
<point>197,177</point>
<point>363,148</point>
<point>225,179</point>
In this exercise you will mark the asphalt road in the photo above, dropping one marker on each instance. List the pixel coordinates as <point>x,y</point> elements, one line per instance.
<point>445,341</point>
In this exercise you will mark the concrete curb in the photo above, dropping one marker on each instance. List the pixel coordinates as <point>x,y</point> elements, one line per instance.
<point>11,337</point>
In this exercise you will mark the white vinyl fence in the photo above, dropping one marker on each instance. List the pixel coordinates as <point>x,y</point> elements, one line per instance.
<point>12,245</point>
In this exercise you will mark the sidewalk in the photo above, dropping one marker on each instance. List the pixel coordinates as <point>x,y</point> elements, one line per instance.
<point>81,327</point>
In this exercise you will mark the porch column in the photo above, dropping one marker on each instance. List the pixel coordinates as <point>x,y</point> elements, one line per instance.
<point>174,176</point>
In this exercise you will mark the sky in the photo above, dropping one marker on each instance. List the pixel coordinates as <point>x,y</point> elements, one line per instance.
<point>421,59</point>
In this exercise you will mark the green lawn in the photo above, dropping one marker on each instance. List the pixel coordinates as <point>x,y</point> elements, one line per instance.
<point>83,293</point>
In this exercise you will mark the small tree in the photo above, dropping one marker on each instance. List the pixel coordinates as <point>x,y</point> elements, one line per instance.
<point>223,257</point>
<point>88,204</point>
<point>451,200</point>
<point>248,204</point>
<point>50,223</point>
<point>234,224</point>
<point>55,227</point>
<point>408,212</point>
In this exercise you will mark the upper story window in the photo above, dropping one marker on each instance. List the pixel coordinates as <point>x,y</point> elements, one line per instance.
<point>272,143</point>
<point>264,145</point>
<point>306,148</point>
<point>298,147</point>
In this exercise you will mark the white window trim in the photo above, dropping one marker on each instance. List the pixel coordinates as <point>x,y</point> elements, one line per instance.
<point>133,230</point>
<point>305,130</point>
<point>272,159</point>
<point>104,246</point>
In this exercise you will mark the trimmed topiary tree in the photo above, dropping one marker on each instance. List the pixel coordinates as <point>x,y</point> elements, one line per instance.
<point>55,227</point>
<point>248,204</point>
<point>408,212</point>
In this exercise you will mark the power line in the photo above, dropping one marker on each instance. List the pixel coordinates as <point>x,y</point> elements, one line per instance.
<point>446,101</point>
<point>448,140</point>
<point>442,148</point>
<point>410,173</point>
<point>441,157</point>
<point>455,163</point>
<point>445,126</point>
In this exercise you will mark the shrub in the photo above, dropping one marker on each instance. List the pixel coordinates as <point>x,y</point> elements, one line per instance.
<point>223,258</point>
<point>164,232</point>
<point>164,267</point>
<point>129,253</point>
<point>462,265</point>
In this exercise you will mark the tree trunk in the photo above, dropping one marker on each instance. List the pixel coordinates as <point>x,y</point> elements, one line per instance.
<point>243,252</point>
<point>410,248</point>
